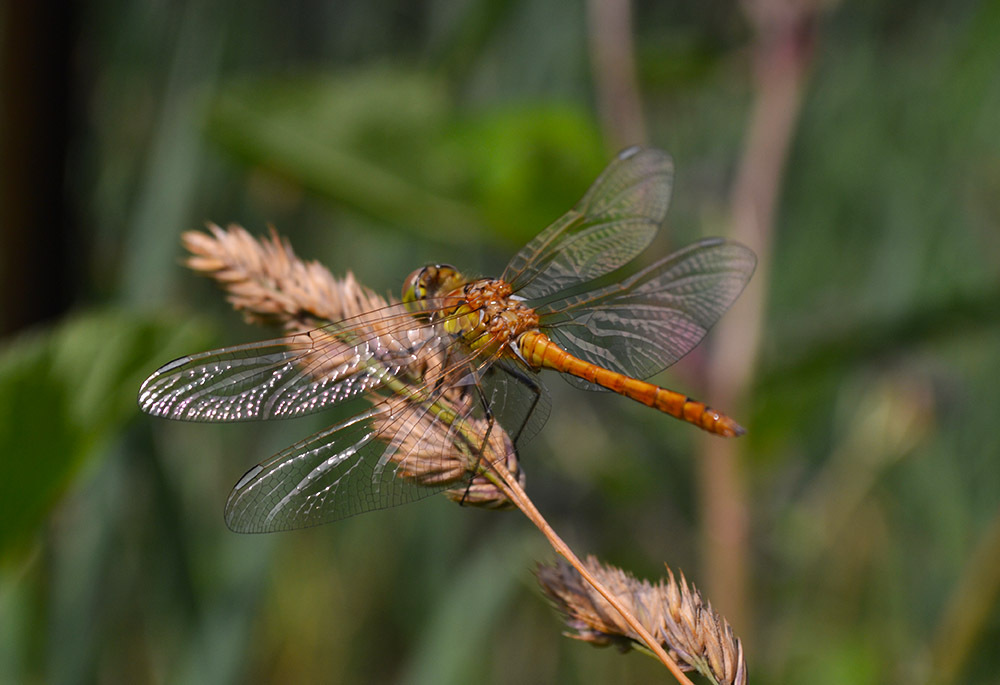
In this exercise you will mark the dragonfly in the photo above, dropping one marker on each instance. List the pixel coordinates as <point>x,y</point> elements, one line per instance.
<point>450,375</point>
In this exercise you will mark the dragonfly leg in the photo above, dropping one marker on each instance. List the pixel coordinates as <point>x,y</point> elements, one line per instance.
<point>490,422</point>
<point>535,386</point>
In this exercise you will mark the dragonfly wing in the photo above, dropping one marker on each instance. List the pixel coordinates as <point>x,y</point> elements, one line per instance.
<point>649,321</point>
<point>517,399</point>
<point>613,223</point>
<point>291,376</point>
<point>396,452</point>
<point>418,438</point>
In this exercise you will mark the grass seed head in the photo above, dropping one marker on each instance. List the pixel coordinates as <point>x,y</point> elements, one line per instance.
<point>671,610</point>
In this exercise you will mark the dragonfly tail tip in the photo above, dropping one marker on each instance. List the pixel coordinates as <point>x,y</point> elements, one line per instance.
<point>736,430</point>
<point>728,428</point>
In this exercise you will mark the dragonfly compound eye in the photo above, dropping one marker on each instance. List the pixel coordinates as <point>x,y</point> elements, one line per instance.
<point>443,279</point>
<point>413,288</point>
<point>435,280</point>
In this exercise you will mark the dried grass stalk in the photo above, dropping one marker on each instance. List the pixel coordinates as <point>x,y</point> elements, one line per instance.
<point>673,612</point>
<point>271,285</point>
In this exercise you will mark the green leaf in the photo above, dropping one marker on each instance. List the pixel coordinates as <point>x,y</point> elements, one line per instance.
<point>65,392</point>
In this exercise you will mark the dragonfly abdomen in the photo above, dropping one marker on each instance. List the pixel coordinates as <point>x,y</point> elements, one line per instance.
<point>539,351</point>
<point>693,411</point>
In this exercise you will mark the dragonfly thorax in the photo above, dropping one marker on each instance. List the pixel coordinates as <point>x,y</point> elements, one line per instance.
<point>486,314</point>
<point>483,311</point>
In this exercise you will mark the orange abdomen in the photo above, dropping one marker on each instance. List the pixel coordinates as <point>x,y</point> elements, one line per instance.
<point>539,351</point>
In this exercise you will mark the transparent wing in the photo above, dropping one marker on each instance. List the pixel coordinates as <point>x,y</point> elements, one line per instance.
<point>613,223</point>
<point>350,468</point>
<point>405,447</point>
<point>655,317</point>
<point>295,375</point>
<point>517,399</point>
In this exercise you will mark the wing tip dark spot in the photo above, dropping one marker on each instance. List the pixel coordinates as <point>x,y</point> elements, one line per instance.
<point>248,476</point>
<point>170,366</point>
<point>145,403</point>
<point>629,152</point>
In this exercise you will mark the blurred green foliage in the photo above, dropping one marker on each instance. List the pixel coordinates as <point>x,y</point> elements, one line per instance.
<point>61,403</point>
<point>379,136</point>
<point>390,143</point>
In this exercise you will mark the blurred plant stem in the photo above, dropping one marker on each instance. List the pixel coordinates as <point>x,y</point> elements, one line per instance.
<point>171,177</point>
<point>784,34</point>
<point>969,610</point>
<point>612,53</point>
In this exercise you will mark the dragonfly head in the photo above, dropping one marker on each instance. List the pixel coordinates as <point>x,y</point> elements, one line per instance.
<point>434,280</point>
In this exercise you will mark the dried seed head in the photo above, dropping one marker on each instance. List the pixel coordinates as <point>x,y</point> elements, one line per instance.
<point>270,284</point>
<point>673,612</point>
<point>481,491</point>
